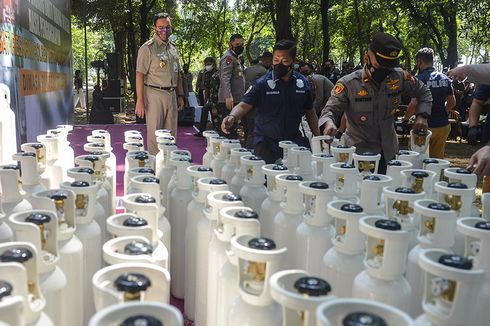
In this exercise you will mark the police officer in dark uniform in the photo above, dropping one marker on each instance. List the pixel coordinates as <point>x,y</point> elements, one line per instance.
<point>370,98</point>
<point>280,98</point>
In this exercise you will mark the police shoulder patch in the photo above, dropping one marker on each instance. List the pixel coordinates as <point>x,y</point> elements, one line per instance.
<point>339,88</point>
<point>229,60</point>
<point>408,76</point>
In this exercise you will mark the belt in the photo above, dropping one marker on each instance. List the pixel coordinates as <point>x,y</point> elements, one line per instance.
<point>163,88</point>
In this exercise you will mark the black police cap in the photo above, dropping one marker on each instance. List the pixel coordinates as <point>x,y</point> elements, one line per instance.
<point>386,48</point>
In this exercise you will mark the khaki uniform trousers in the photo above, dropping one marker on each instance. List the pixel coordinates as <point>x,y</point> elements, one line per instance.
<point>437,143</point>
<point>161,113</point>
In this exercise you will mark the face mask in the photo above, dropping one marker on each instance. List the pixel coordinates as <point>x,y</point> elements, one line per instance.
<point>281,70</point>
<point>238,50</point>
<point>208,67</point>
<point>186,70</point>
<point>377,74</point>
<point>164,33</point>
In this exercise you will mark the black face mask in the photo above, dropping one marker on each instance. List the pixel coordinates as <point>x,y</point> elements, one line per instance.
<point>377,74</point>
<point>281,70</point>
<point>238,50</point>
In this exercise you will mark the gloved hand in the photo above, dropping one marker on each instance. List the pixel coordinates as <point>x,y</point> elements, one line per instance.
<point>472,136</point>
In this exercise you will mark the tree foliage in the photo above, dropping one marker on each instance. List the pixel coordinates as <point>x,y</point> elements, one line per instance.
<point>337,29</point>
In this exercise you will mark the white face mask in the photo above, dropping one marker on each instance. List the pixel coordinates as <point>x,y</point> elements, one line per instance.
<point>209,67</point>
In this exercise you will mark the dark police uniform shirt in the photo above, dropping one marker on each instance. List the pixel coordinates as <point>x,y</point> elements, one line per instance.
<point>370,108</point>
<point>279,107</point>
<point>482,93</point>
<point>440,87</point>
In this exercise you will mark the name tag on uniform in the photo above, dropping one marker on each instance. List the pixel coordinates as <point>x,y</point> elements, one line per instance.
<point>272,93</point>
<point>363,99</point>
<point>300,91</point>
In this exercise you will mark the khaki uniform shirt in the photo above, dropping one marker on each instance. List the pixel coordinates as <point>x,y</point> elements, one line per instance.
<point>159,62</point>
<point>370,108</point>
<point>253,73</point>
<point>231,76</point>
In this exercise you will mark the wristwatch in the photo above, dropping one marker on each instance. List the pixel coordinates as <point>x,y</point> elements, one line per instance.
<point>424,115</point>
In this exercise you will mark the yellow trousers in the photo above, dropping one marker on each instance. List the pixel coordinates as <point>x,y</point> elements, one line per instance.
<point>437,144</point>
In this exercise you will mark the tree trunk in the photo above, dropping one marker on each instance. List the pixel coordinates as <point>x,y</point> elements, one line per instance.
<point>359,28</point>
<point>144,10</point>
<point>324,6</point>
<point>283,16</point>
<point>451,27</point>
<point>131,53</point>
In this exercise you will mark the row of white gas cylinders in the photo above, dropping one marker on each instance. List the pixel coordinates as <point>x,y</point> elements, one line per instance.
<point>183,190</point>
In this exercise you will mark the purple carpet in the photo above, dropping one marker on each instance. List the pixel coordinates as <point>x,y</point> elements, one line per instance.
<point>185,140</point>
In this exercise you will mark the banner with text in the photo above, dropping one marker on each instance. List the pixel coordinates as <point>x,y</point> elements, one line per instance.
<point>35,56</point>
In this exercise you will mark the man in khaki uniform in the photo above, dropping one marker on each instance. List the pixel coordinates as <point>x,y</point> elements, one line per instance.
<point>370,97</point>
<point>231,77</point>
<point>158,82</point>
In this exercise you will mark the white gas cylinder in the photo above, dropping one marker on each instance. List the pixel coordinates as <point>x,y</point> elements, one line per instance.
<point>8,133</point>
<point>344,261</point>
<point>230,166</point>
<point>31,181</point>
<point>238,179</point>
<point>321,168</point>
<point>299,162</point>
<point>371,198</point>
<point>286,146</point>
<point>205,233</point>
<point>399,205</point>
<point>195,218</point>
<point>299,294</point>
<point>346,181</point>
<point>253,191</point>
<point>343,153</point>
<point>419,181</point>
<point>436,165</point>
<point>134,249</point>
<point>12,192</point>
<point>394,169</point>
<point>145,206</point>
<point>130,225</point>
<point>290,216</point>
<point>208,156</point>
<point>120,283</point>
<point>22,276</point>
<point>62,202</point>
<point>243,221</point>
<point>258,259</point>
<point>55,170</point>
<point>384,262</point>
<point>451,290</point>
<point>410,156</point>
<point>272,203</point>
<point>437,229</point>
<point>138,313</point>
<point>360,312</point>
<point>178,201</point>
<point>239,221</point>
<point>40,228</point>
<point>314,234</point>
<point>477,234</point>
